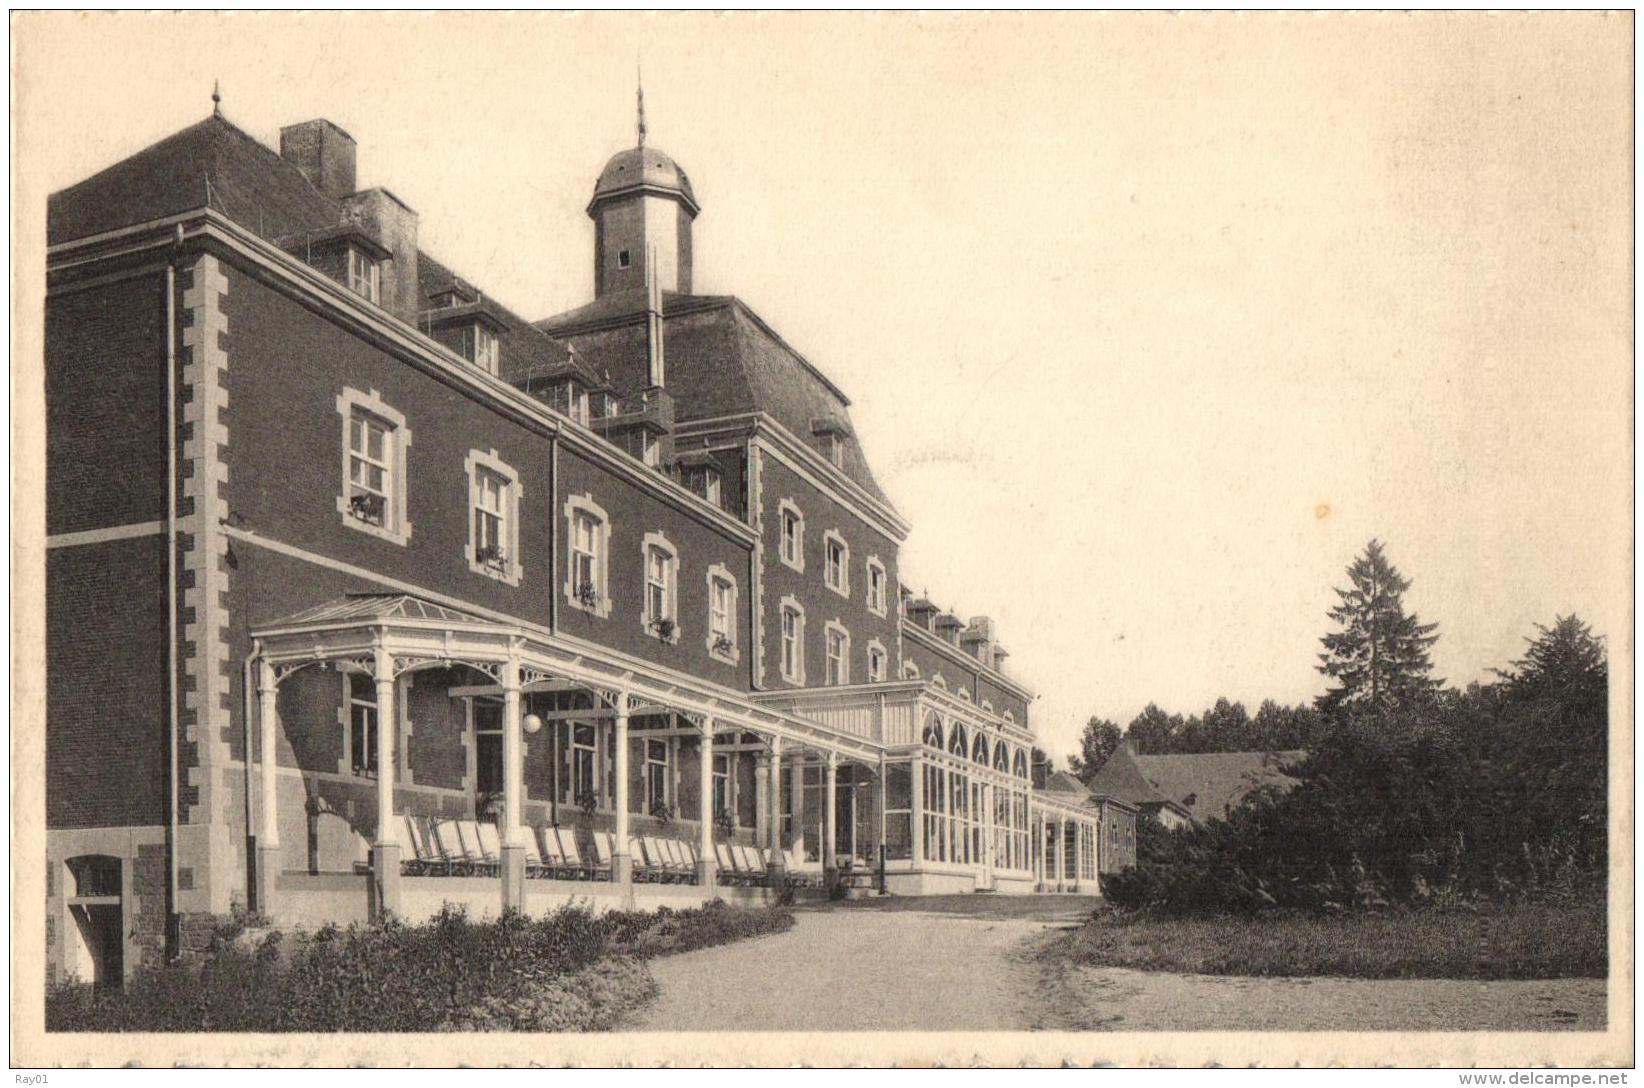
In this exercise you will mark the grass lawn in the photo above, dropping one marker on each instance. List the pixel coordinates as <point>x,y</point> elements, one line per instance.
<point>1525,941</point>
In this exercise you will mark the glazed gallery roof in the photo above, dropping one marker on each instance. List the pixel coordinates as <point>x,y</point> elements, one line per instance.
<point>375,607</point>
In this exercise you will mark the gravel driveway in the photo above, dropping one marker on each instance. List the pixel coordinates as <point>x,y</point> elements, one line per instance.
<point>967,964</point>
<point>858,968</point>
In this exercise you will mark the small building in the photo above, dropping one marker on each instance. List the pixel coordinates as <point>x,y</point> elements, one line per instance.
<point>1209,785</point>
<point>1122,779</point>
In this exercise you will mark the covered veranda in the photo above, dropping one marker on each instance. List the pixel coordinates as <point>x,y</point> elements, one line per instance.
<point>762,777</point>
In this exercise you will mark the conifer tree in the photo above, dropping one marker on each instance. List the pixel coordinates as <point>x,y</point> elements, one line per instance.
<point>1379,657</point>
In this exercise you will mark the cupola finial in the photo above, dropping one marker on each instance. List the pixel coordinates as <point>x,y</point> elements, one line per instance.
<point>216,99</point>
<point>640,82</point>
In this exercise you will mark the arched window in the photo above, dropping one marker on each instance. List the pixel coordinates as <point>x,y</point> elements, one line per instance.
<point>958,743</point>
<point>933,731</point>
<point>939,682</point>
<point>1021,765</point>
<point>910,671</point>
<point>1001,757</point>
<point>979,750</point>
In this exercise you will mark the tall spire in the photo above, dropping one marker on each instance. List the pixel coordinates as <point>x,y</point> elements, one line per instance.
<point>640,80</point>
<point>217,99</point>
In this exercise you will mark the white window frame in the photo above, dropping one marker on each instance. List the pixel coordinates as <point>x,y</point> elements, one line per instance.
<point>878,585</point>
<point>987,705</point>
<point>795,674</point>
<point>876,652</point>
<point>659,543</point>
<point>396,526</point>
<point>797,560</point>
<point>364,275</point>
<point>585,505</point>
<point>939,682</point>
<point>831,630</point>
<point>486,347</point>
<point>646,765</point>
<point>478,465</point>
<point>964,693</point>
<point>831,539</point>
<point>720,574</point>
<point>345,765</point>
<point>910,670</point>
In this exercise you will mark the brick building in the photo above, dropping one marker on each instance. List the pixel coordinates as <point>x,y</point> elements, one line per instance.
<point>367,594</point>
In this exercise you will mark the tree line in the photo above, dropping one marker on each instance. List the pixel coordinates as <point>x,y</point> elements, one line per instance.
<point>1410,791</point>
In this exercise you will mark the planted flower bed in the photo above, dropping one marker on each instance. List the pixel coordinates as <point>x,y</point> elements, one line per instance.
<point>570,971</point>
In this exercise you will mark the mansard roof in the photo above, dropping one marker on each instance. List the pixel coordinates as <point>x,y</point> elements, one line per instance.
<point>722,359</point>
<point>211,163</point>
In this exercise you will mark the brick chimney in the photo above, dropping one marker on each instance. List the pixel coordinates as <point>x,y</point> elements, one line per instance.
<point>324,153</point>
<point>394,225</point>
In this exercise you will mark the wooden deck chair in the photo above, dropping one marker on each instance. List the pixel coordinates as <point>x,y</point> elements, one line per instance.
<point>799,877</point>
<point>604,854</point>
<point>421,856</point>
<point>473,846</point>
<point>553,862</point>
<point>647,862</point>
<point>535,864</point>
<point>727,867</point>
<point>570,856</point>
<point>490,843</point>
<point>671,859</point>
<point>684,857</point>
<point>449,841</point>
<point>752,863</point>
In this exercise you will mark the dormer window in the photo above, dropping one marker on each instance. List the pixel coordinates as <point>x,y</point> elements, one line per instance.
<point>706,481</point>
<point>363,274</point>
<point>479,346</point>
<point>831,435</point>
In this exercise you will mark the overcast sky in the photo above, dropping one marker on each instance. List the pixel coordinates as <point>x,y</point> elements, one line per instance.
<point>1150,322</point>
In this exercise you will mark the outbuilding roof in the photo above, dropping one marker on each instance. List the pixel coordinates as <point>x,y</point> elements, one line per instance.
<point>1209,784</point>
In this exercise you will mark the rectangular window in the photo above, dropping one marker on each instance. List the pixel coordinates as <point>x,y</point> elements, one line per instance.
<point>838,667</point>
<point>656,585</point>
<point>656,776</point>
<point>487,746</point>
<point>362,275</point>
<point>584,765</point>
<point>585,565</point>
<point>898,811</point>
<point>836,566</point>
<point>486,353</point>
<point>876,589</point>
<point>370,468</point>
<point>720,631</point>
<point>792,647</point>
<point>362,726</point>
<point>490,516</point>
<point>876,666</point>
<point>650,450</point>
<point>792,538</point>
<point>722,785</point>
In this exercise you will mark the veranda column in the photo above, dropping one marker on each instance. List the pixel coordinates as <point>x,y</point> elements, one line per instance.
<point>1061,853</point>
<point>1078,852</point>
<point>762,804</point>
<point>706,869</point>
<point>796,794</point>
<point>513,791</point>
<point>268,835</point>
<point>916,777</point>
<point>830,832</point>
<point>774,862</point>
<point>622,862</point>
<point>385,861</point>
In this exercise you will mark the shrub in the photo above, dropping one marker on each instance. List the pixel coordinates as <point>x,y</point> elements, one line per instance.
<point>572,968</point>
